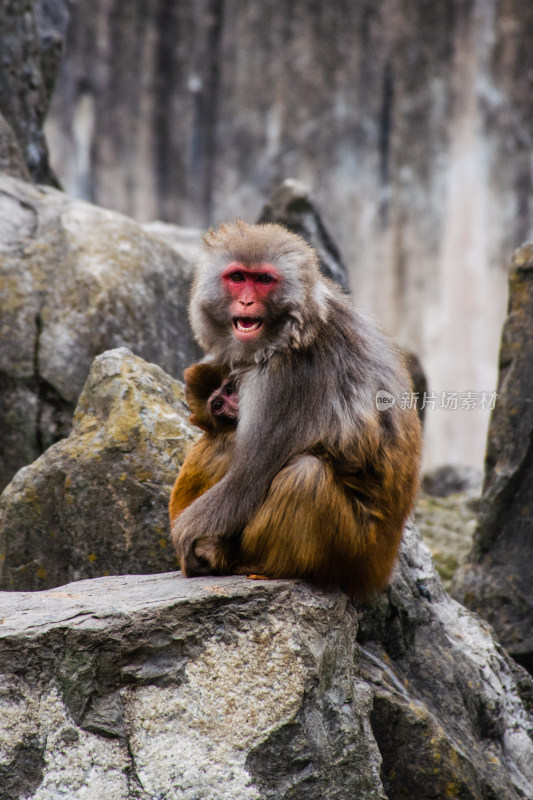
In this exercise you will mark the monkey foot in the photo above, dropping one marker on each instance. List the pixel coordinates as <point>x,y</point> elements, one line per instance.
<point>254,577</point>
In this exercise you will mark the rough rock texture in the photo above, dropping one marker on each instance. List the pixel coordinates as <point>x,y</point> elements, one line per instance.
<point>30,55</point>
<point>293,205</point>
<point>52,18</point>
<point>452,713</point>
<point>447,526</point>
<point>144,687</point>
<point>97,502</point>
<point>76,280</point>
<point>446,515</point>
<point>411,121</point>
<point>151,687</point>
<point>496,581</point>
<point>185,241</point>
<point>11,158</point>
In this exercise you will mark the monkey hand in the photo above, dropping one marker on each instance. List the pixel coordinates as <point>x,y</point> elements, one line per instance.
<point>198,554</point>
<point>206,534</point>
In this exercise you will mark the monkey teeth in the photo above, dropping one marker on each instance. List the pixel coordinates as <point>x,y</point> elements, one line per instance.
<point>247,324</point>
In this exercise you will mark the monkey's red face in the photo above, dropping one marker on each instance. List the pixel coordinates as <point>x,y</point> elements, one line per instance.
<point>250,289</point>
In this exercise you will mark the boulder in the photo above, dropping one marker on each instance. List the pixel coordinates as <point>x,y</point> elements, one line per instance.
<point>76,280</point>
<point>52,19</point>
<point>96,503</point>
<point>162,687</point>
<point>496,580</point>
<point>451,712</point>
<point>185,241</point>
<point>143,687</point>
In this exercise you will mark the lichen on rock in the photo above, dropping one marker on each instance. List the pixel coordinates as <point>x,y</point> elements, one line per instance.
<point>96,502</point>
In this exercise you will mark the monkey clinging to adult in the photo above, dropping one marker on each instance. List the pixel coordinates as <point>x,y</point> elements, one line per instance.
<point>214,403</point>
<point>319,482</point>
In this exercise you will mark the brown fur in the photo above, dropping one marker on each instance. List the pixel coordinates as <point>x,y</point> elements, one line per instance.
<point>208,460</point>
<point>318,524</point>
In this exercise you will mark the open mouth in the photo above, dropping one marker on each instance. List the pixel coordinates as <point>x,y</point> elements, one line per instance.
<point>247,326</point>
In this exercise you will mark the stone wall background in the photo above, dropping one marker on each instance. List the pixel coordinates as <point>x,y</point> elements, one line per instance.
<point>411,123</point>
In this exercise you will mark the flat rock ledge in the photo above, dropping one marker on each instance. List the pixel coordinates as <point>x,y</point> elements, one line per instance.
<point>152,687</point>
<point>162,687</point>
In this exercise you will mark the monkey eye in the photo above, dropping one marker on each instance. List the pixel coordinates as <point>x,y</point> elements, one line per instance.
<point>230,388</point>
<point>265,277</point>
<point>236,277</point>
<point>218,405</point>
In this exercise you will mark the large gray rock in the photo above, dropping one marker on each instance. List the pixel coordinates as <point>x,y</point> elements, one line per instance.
<point>150,687</point>
<point>143,687</point>
<point>452,713</point>
<point>76,280</point>
<point>96,503</point>
<point>496,580</point>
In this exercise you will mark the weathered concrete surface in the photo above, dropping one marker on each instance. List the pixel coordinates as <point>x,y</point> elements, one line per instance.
<point>496,581</point>
<point>142,687</point>
<point>76,280</point>
<point>96,503</point>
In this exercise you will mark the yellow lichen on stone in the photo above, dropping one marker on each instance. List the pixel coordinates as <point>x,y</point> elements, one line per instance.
<point>452,789</point>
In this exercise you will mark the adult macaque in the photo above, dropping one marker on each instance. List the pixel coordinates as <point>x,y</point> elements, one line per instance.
<point>214,404</point>
<point>319,482</point>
